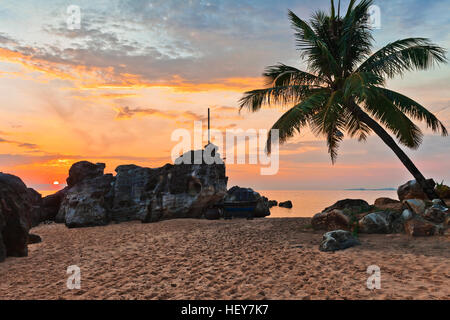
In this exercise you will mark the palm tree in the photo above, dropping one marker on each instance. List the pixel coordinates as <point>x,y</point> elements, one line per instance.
<point>344,87</point>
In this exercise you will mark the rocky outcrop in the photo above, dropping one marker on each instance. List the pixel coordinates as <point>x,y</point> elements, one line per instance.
<point>339,215</point>
<point>15,216</point>
<point>182,191</point>
<point>93,198</point>
<point>413,190</point>
<point>286,204</point>
<point>337,240</point>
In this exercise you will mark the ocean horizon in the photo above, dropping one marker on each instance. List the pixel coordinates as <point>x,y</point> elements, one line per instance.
<point>306,203</point>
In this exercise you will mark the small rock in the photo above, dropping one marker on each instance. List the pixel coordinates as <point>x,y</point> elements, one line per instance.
<point>407,215</point>
<point>286,204</point>
<point>338,240</point>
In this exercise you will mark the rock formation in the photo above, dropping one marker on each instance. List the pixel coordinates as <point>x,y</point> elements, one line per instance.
<point>93,198</point>
<point>339,215</point>
<point>15,216</point>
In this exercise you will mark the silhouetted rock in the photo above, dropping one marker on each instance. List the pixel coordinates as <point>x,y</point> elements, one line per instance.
<point>84,170</point>
<point>272,203</point>
<point>137,193</point>
<point>15,216</point>
<point>338,240</point>
<point>238,195</point>
<point>87,204</point>
<point>36,213</point>
<point>286,204</point>
<point>413,190</point>
<point>51,205</point>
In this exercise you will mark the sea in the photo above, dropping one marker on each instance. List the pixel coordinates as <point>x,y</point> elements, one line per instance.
<point>306,203</point>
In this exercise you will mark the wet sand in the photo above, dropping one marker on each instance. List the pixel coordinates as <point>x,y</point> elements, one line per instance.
<point>238,259</point>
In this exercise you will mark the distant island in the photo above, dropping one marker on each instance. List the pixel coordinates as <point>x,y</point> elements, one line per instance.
<point>364,189</point>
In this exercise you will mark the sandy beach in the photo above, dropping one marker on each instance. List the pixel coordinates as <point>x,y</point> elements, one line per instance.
<point>238,259</point>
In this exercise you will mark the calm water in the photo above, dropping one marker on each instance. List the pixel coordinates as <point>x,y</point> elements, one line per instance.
<point>309,202</point>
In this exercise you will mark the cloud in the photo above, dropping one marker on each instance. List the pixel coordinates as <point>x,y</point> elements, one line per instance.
<point>30,146</point>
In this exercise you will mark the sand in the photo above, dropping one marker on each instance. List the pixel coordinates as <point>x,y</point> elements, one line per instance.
<point>238,259</point>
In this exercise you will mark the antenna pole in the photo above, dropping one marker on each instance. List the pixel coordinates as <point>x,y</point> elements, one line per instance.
<point>209,126</point>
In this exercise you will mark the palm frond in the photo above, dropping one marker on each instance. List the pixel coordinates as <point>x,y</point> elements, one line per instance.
<point>414,110</point>
<point>275,96</point>
<point>393,119</point>
<point>297,117</point>
<point>283,75</point>
<point>401,56</point>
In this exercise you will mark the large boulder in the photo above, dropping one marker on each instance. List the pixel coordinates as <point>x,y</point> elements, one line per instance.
<point>36,213</point>
<point>83,170</point>
<point>51,205</point>
<point>413,190</point>
<point>331,220</point>
<point>337,240</point>
<point>388,204</point>
<point>382,222</point>
<point>419,227</point>
<point>351,205</point>
<point>262,204</point>
<point>15,216</point>
<point>88,203</point>
<point>339,215</point>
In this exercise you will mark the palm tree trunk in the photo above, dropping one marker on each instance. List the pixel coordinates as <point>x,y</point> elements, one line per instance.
<point>427,185</point>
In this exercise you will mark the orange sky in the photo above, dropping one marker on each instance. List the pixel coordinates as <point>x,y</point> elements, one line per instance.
<point>67,97</point>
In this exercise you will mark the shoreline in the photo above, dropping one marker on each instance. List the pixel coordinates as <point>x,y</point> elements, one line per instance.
<point>237,259</point>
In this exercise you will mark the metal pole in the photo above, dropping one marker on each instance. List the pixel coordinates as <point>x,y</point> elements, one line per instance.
<point>209,126</point>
